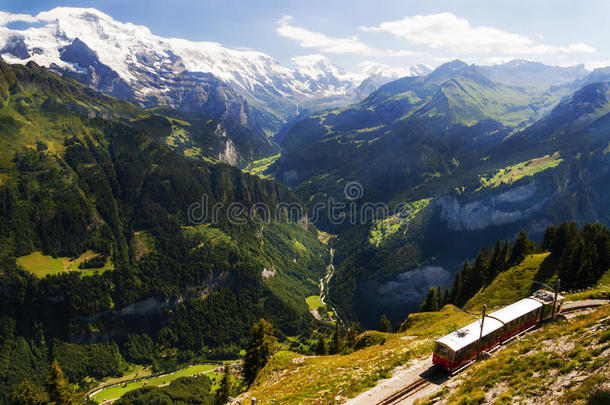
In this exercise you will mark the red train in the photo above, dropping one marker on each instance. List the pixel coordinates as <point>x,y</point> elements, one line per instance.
<point>455,350</point>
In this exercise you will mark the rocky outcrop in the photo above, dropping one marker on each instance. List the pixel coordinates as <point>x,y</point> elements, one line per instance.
<point>507,207</point>
<point>16,46</point>
<point>91,71</point>
<point>150,308</point>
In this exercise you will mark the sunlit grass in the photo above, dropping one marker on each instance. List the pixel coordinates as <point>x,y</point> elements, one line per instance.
<point>258,167</point>
<point>296,379</point>
<point>314,302</point>
<point>42,265</point>
<point>513,173</point>
<point>529,367</point>
<point>120,390</point>
<point>510,285</point>
<point>384,229</point>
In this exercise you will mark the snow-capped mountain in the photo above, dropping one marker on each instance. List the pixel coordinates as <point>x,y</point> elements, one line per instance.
<point>128,61</point>
<point>378,74</point>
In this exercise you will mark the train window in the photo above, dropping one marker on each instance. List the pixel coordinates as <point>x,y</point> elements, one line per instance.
<point>442,351</point>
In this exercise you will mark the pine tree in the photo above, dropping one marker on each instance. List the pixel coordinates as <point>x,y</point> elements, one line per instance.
<point>563,237</point>
<point>496,262</point>
<point>350,338</point>
<point>505,256</point>
<point>260,348</point>
<point>59,390</point>
<point>446,298</point>
<point>460,285</point>
<point>428,304</point>
<point>384,324</point>
<point>549,237</point>
<point>456,289</point>
<point>479,273</point>
<point>224,392</point>
<point>322,345</point>
<point>337,340</point>
<point>523,246</point>
<point>27,394</point>
<point>438,299</point>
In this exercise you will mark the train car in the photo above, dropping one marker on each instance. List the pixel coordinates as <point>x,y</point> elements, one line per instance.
<point>547,299</point>
<point>459,348</point>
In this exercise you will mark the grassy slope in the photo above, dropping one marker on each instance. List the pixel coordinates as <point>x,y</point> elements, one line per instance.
<point>510,285</point>
<point>466,101</point>
<point>41,265</point>
<point>563,363</point>
<point>259,167</point>
<point>516,283</point>
<point>526,368</point>
<point>192,135</point>
<point>28,110</point>
<point>120,390</point>
<point>515,172</point>
<point>314,302</point>
<point>297,379</point>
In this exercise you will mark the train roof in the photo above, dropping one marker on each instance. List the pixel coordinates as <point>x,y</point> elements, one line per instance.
<point>470,333</point>
<point>516,310</point>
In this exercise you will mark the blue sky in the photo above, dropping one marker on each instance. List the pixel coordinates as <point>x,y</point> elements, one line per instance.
<point>395,33</point>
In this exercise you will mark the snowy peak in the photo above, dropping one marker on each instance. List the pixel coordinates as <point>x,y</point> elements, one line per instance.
<point>322,78</point>
<point>378,74</point>
<point>126,48</point>
<point>319,66</point>
<point>129,61</point>
<point>371,68</point>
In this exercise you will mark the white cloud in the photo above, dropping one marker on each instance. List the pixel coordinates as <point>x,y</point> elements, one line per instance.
<point>369,67</point>
<point>496,60</point>
<point>308,60</point>
<point>445,30</point>
<point>372,67</point>
<point>597,64</point>
<point>316,66</point>
<point>7,18</point>
<point>327,44</point>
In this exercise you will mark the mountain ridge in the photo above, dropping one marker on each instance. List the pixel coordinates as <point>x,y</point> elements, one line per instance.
<point>485,156</point>
<point>136,55</point>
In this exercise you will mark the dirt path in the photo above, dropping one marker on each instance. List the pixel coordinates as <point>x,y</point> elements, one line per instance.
<point>403,376</point>
<point>572,305</point>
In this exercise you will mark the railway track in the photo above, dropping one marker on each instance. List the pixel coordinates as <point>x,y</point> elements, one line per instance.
<point>574,306</point>
<point>407,391</point>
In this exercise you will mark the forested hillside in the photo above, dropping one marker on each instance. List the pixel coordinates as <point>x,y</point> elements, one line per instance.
<point>78,184</point>
<point>578,257</point>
